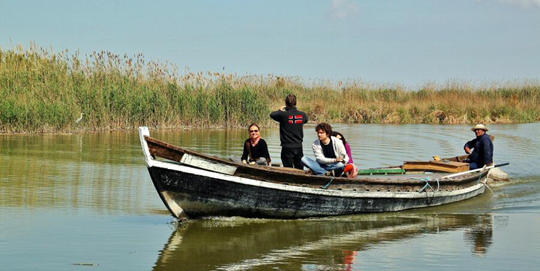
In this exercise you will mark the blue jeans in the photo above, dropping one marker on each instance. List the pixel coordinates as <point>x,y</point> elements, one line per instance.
<point>473,165</point>
<point>321,169</point>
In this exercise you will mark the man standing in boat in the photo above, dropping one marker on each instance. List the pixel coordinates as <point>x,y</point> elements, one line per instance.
<point>330,154</point>
<point>482,148</point>
<point>291,133</point>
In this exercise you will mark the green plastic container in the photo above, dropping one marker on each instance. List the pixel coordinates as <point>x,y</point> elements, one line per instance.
<point>381,171</point>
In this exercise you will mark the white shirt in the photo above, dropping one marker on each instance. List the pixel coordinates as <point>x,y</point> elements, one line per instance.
<point>339,150</point>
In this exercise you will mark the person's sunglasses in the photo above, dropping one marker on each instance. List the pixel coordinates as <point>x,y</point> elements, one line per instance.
<point>253,131</point>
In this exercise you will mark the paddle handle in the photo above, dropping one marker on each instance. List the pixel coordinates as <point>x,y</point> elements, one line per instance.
<point>475,170</point>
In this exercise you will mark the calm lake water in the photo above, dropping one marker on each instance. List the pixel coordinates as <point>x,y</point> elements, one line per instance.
<point>86,202</point>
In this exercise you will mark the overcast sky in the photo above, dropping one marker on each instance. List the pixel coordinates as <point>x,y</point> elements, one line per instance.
<point>385,41</point>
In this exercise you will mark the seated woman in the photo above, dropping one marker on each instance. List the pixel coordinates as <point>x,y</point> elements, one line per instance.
<point>255,148</point>
<point>347,146</point>
<point>350,169</point>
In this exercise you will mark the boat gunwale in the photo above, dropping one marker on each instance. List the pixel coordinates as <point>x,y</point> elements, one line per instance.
<point>463,180</point>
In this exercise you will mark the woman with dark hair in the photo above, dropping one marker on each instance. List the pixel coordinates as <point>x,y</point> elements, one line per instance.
<point>255,148</point>
<point>347,146</point>
<point>350,169</point>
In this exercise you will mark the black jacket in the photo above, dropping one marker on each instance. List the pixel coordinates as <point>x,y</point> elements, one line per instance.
<point>482,150</point>
<point>291,123</point>
<point>251,153</point>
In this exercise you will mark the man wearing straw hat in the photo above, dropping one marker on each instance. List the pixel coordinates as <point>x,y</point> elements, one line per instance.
<point>482,148</point>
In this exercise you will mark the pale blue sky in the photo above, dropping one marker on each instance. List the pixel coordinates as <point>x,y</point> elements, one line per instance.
<point>386,41</point>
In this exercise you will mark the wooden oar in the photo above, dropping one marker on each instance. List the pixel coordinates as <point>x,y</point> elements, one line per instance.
<point>287,169</point>
<point>474,170</point>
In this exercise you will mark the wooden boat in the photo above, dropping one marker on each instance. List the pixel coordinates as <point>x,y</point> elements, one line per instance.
<point>193,185</point>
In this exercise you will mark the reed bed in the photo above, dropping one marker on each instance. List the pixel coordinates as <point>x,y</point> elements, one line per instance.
<point>44,91</point>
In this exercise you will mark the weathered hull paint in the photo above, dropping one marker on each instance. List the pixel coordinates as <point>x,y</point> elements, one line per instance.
<point>201,194</point>
<point>194,185</point>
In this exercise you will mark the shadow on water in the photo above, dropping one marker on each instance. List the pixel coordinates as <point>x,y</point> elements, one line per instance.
<point>327,244</point>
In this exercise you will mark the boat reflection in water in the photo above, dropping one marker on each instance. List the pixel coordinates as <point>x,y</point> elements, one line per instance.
<point>322,244</point>
<point>480,235</point>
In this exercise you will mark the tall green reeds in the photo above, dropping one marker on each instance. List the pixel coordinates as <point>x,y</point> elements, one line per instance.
<point>42,91</point>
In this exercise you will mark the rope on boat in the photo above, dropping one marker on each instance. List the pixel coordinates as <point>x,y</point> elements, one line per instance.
<point>480,174</point>
<point>328,184</point>
<point>485,182</point>
<point>489,188</point>
<point>427,179</point>
<point>482,171</point>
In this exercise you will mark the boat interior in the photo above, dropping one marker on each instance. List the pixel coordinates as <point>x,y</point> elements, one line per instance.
<point>411,176</point>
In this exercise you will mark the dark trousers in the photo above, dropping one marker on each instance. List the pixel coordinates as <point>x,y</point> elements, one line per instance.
<point>292,157</point>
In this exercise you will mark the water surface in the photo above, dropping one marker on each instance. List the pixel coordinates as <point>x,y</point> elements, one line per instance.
<point>86,201</point>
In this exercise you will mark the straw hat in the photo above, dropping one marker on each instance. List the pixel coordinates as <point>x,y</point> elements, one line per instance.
<point>479,127</point>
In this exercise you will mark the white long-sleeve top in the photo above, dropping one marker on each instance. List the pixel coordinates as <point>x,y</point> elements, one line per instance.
<point>339,149</point>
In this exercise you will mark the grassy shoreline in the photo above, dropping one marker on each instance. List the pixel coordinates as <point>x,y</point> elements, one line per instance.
<point>42,91</point>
